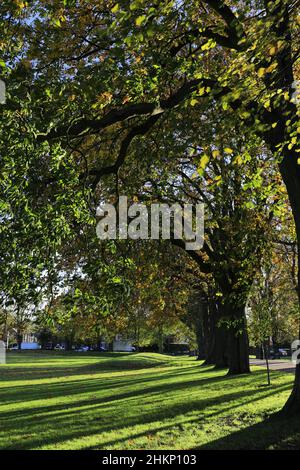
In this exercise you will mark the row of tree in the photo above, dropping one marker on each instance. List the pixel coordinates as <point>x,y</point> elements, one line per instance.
<point>191,101</point>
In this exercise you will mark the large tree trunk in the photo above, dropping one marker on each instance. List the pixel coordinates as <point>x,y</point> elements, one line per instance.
<point>229,345</point>
<point>280,136</point>
<point>200,322</point>
<point>160,340</point>
<point>19,340</point>
<point>217,345</point>
<point>198,319</point>
<point>200,340</point>
<point>221,347</point>
<point>290,171</point>
<point>292,406</point>
<point>238,346</point>
<point>201,325</point>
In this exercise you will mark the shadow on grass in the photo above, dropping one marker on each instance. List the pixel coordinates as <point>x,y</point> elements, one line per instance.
<point>276,432</point>
<point>166,382</point>
<point>87,384</point>
<point>60,418</point>
<point>114,407</point>
<point>120,411</point>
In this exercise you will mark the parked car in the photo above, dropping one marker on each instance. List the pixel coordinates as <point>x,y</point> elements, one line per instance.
<point>25,346</point>
<point>278,353</point>
<point>274,354</point>
<point>284,352</point>
<point>82,349</point>
<point>59,347</point>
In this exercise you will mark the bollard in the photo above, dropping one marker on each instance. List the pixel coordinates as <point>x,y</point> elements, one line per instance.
<point>2,353</point>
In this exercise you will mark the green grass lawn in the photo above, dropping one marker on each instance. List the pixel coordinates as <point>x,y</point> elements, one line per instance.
<point>138,401</point>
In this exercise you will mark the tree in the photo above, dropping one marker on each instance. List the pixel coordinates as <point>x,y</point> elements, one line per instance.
<point>123,57</point>
<point>241,196</point>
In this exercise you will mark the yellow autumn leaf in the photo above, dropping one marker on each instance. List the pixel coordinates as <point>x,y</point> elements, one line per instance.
<point>215,153</point>
<point>21,4</point>
<point>272,67</point>
<point>202,165</point>
<point>115,8</point>
<point>261,72</point>
<point>204,161</point>
<point>218,180</point>
<point>228,150</point>
<point>238,160</point>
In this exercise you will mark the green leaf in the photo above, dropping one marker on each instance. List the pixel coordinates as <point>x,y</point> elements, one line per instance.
<point>140,20</point>
<point>115,8</point>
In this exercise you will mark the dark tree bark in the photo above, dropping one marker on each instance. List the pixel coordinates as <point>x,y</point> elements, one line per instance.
<point>200,323</point>
<point>238,345</point>
<point>198,319</point>
<point>292,406</point>
<point>286,116</point>
<point>233,319</point>
<point>290,171</point>
<point>19,340</point>
<point>217,334</point>
<point>69,340</point>
<point>229,346</point>
<point>160,340</point>
<point>289,167</point>
<point>68,345</point>
<point>221,347</point>
<point>200,340</point>
<point>201,330</point>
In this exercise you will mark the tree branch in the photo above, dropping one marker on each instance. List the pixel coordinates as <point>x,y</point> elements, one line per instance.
<point>193,254</point>
<point>114,116</point>
<point>135,131</point>
<point>234,28</point>
<point>224,11</point>
<point>208,33</point>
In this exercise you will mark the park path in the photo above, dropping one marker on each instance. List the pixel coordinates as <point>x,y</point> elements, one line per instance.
<point>275,364</point>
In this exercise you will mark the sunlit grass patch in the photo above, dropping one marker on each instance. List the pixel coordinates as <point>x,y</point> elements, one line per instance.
<point>134,401</point>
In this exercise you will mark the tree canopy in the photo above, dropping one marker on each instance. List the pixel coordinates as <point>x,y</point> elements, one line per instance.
<point>172,101</point>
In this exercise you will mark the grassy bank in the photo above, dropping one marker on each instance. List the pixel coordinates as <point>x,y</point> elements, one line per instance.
<point>137,401</point>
